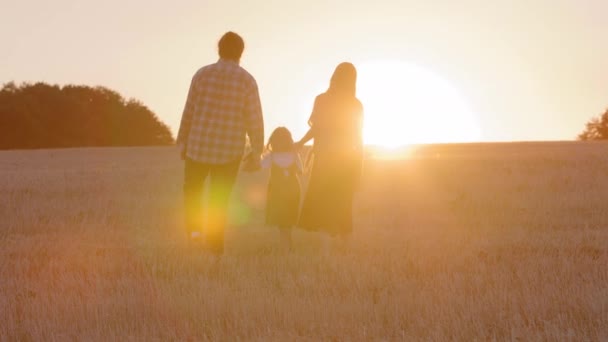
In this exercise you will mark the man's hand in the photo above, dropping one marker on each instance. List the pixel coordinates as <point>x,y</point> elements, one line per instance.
<point>251,162</point>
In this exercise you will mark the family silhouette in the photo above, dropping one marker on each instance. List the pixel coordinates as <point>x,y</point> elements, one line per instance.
<point>223,108</point>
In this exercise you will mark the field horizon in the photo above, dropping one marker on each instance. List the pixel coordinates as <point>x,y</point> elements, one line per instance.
<point>468,241</point>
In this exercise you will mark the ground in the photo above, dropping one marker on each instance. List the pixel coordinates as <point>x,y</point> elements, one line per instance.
<point>463,242</point>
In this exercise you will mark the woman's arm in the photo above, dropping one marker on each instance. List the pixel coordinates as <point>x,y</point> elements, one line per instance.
<point>359,147</point>
<point>307,137</point>
<point>311,132</point>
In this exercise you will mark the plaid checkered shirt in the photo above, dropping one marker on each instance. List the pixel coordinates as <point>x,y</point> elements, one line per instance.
<point>223,107</point>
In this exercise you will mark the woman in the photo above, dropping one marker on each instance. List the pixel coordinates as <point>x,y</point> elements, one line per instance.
<point>336,127</point>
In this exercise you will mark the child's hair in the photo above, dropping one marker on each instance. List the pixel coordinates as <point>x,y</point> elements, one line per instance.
<point>280,141</point>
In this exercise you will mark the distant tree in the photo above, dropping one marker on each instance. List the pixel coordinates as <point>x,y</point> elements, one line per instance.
<point>596,128</point>
<point>48,116</point>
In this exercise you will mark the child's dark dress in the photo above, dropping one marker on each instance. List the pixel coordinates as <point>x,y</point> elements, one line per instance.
<point>283,201</point>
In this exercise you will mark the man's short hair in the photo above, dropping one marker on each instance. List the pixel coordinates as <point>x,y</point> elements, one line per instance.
<point>231,46</point>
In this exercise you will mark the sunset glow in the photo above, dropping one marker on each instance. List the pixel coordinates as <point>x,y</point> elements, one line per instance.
<point>430,71</point>
<point>406,104</point>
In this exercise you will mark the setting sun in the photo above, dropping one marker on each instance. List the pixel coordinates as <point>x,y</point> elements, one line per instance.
<point>406,104</point>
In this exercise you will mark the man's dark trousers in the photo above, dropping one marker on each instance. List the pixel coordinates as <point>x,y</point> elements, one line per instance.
<point>222,179</point>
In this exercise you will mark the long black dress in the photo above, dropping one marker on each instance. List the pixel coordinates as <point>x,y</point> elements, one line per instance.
<point>336,122</point>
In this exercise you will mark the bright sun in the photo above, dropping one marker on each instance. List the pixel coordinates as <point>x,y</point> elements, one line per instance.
<point>406,104</point>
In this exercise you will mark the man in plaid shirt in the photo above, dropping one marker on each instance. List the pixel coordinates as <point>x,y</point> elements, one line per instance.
<point>223,106</point>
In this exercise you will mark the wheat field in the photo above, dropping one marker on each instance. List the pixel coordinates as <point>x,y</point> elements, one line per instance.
<point>457,242</point>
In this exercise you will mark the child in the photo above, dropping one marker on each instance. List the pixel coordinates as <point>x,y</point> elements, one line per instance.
<point>283,201</point>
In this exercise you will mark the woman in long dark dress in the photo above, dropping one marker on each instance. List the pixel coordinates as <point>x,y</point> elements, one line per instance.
<point>336,127</point>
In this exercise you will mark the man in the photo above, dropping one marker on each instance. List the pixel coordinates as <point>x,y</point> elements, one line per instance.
<point>223,107</point>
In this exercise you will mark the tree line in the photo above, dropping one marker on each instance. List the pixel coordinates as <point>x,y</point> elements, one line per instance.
<point>596,128</point>
<point>49,116</point>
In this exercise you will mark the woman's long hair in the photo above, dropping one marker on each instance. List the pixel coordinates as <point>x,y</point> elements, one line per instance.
<point>344,80</point>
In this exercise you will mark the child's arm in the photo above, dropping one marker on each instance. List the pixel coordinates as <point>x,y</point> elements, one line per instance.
<point>299,166</point>
<point>266,161</point>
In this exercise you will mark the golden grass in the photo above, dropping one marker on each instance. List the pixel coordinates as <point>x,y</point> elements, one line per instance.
<point>471,242</point>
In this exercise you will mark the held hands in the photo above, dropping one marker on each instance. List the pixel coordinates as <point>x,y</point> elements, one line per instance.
<point>252,162</point>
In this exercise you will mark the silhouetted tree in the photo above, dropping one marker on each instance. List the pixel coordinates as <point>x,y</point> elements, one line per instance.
<point>596,128</point>
<point>48,116</point>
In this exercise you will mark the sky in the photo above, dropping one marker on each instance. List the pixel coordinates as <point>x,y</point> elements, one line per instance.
<point>527,69</point>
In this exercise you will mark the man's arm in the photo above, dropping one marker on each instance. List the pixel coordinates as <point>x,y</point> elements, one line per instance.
<point>186,122</point>
<point>255,121</point>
